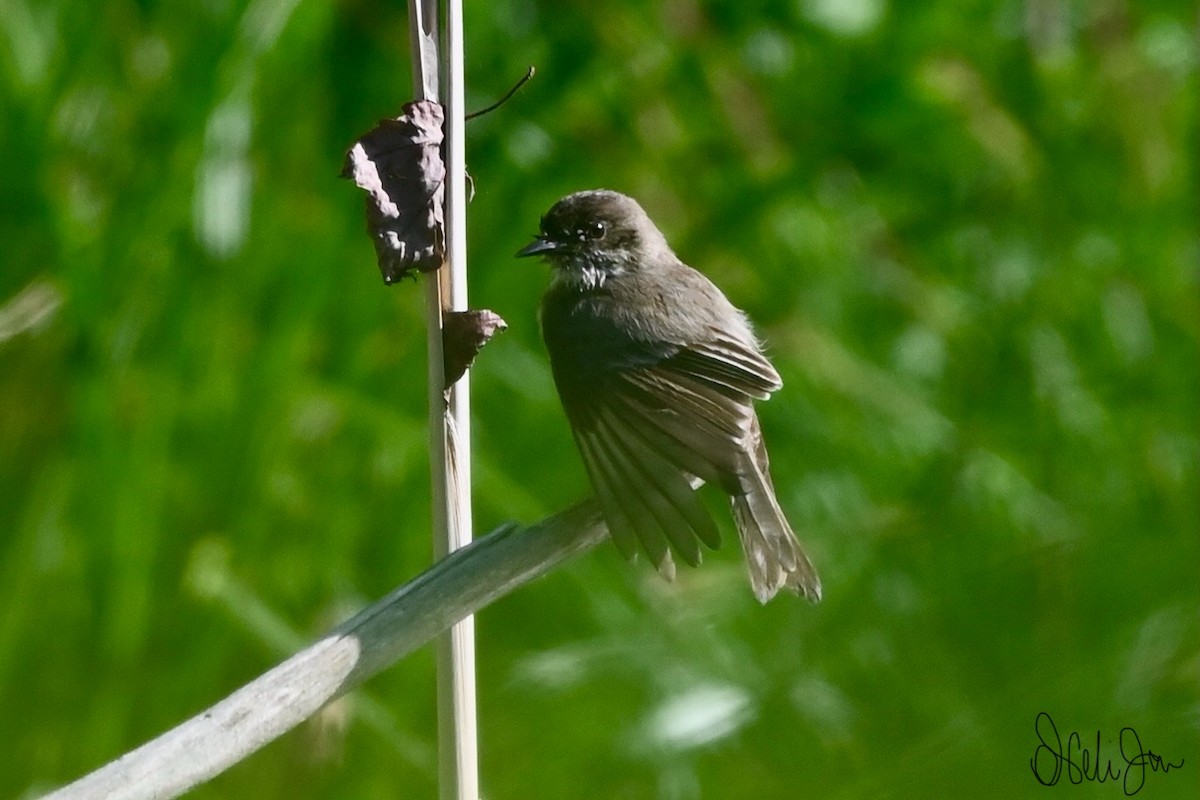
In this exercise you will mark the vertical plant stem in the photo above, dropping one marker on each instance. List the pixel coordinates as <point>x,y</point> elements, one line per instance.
<point>457,729</point>
<point>449,412</point>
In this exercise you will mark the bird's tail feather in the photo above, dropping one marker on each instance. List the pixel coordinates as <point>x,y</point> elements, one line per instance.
<point>773,555</point>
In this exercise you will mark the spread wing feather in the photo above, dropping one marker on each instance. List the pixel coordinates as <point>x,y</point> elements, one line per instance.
<point>660,479</point>
<point>599,470</point>
<point>696,427</point>
<point>668,432</point>
<point>616,474</point>
<point>729,364</point>
<point>650,435</point>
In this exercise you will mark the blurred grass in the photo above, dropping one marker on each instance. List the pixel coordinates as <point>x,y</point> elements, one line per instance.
<point>968,232</point>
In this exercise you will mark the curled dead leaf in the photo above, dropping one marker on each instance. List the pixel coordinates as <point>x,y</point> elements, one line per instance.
<point>399,164</point>
<point>464,333</point>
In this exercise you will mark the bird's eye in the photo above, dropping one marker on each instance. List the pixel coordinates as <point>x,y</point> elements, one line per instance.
<point>594,230</point>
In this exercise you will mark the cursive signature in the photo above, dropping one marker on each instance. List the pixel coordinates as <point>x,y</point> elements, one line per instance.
<point>1083,764</point>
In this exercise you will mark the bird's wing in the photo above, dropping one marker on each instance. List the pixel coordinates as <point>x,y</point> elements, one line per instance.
<point>727,362</point>
<point>650,434</point>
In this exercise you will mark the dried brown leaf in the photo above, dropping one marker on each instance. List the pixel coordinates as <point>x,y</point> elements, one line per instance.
<point>400,165</point>
<point>464,333</point>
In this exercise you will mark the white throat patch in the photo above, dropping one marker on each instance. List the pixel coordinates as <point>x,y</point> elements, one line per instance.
<point>584,275</point>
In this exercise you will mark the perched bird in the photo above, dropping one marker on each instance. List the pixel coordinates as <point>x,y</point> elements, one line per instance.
<point>658,372</point>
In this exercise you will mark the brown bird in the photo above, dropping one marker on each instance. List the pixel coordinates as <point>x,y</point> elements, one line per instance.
<point>658,373</point>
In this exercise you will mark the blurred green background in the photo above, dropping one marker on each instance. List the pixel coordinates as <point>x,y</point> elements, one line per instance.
<point>968,232</point>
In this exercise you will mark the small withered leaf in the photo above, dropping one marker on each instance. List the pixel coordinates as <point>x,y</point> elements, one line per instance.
<point>464,333</point>
<point>400,165</point>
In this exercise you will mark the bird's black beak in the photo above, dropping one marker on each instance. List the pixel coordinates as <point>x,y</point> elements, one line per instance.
<point>537,247</point>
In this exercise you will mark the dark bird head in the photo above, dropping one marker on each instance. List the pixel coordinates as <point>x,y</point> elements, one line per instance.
<point>596,235</point>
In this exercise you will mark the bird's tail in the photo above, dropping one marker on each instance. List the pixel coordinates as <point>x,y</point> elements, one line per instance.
<point>773,555</point>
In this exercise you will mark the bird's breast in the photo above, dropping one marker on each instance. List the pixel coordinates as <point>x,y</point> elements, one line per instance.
<point>591,335</point>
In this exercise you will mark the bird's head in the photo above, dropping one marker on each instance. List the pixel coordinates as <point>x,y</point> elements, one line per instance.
<point>595,235</point>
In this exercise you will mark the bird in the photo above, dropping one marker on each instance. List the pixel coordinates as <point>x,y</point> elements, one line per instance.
<point>658,373</point>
